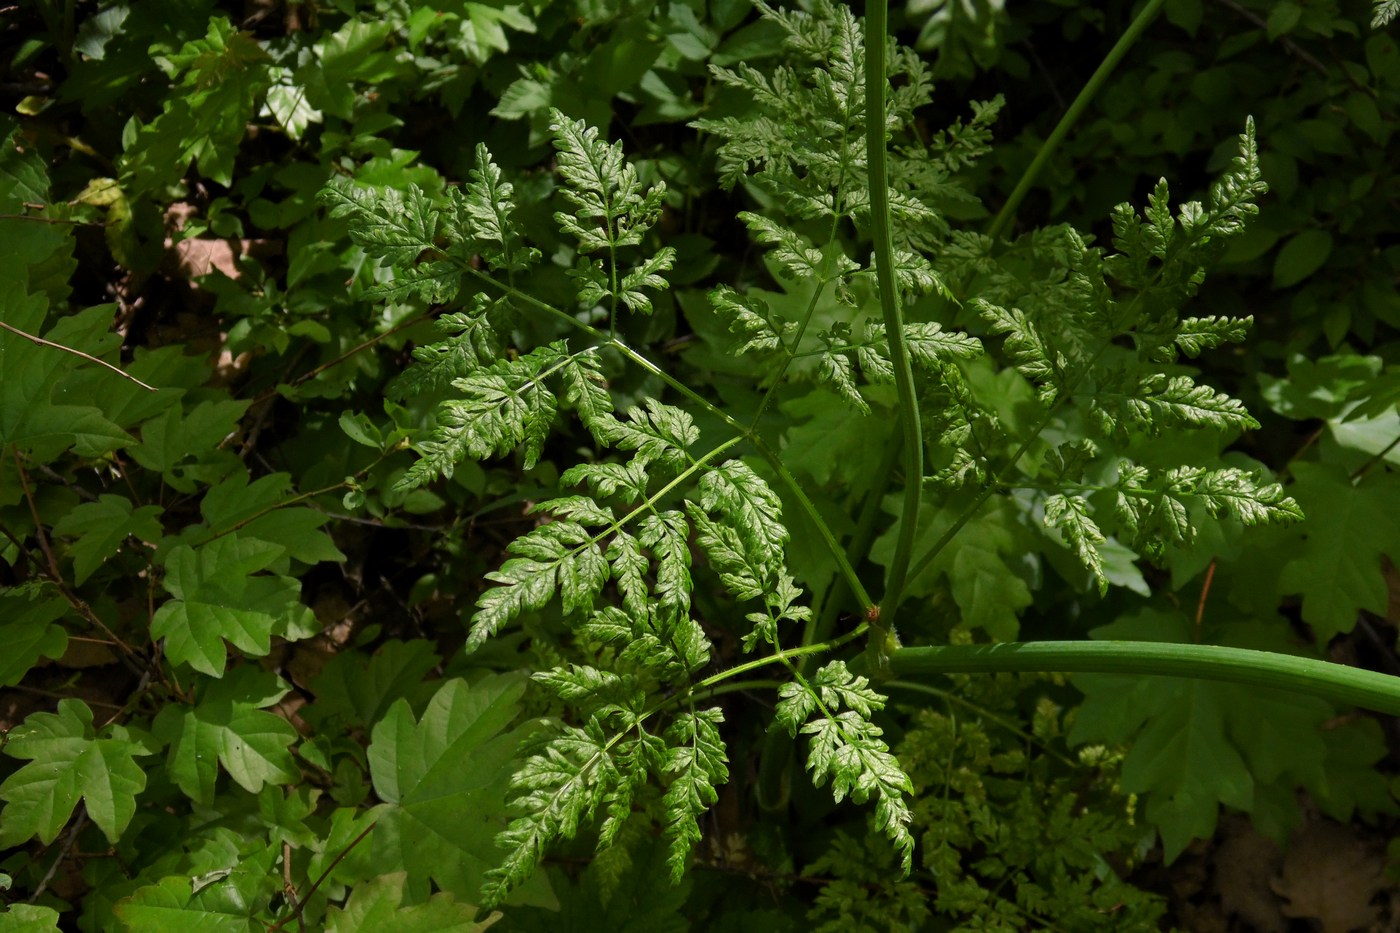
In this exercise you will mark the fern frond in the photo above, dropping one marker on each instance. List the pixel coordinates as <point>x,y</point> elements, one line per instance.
<point>750,317</point>
<point>484,211</point>
<point>1384,12</point>
<point>695,761</point>
<point>1070,514</point>
<point>667,536</point>
<point>1195,334</point>
<point>846,746</point>
<point>469,341</point>
<point>659,434</point>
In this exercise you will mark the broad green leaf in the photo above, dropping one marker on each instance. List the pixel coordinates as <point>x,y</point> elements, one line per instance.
<point>229,726</point>
<point>102,528</point>
<point>28,631</point>
<point>1338,567</point>
<point>445,777</point>
<point>29,918</point>
<point>1301,257</point>
<point>978,565</point>
<point>68,761</point>
<point>220,76</point>
<point>357,689</point>
<point>1193,744</point>
<point>172,906</point>
<point>31,378</point>
<point>168,440</point>
<point>217,598</point>
<point>374,905</point>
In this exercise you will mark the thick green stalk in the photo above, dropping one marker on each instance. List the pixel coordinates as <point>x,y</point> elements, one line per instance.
<point>1076,109</point>
<point>1348,685</point>
<point>876,27</point>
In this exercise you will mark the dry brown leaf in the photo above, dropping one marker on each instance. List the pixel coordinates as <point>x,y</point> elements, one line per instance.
<point>1245,864</point>
<point>1331,876</point>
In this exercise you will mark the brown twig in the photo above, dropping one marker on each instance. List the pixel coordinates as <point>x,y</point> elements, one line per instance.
<point>1293,48</point>
<point>92,359</point>
<point>326,873</point>
<point>365,345</point>
<point>130,656</point>
<point>69,841</point>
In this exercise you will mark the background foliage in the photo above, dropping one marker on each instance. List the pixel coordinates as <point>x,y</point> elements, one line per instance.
<point>235,606</point>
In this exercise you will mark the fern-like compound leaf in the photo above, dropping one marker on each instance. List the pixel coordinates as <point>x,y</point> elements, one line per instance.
<point>658,433</point>
<point>750,317</point>
<point>1070,514</point>
<point>484,211</point>
<point>846,747</point>
<point>696,763</point>
<point>1161,402</point>
<point>748,505</point>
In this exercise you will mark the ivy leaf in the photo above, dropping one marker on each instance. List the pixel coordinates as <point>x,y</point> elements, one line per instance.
<point>229,726</point>
<point>444,779</point>
<point>102,527</point>
<point>251,509</point>
<point>218,599</point>
<point>31,377</point>
<point>377,905</point>
<point>68,761</point>
<point>1337,568</point>
<point>30,918</point>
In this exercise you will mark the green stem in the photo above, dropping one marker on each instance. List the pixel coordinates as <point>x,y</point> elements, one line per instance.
<point>1076,110</point>
<point>876,28</point>
<point>1348,685</point>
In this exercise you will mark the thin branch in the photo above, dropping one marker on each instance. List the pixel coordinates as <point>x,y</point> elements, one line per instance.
<point>297,909</point>
<point>91,359</point>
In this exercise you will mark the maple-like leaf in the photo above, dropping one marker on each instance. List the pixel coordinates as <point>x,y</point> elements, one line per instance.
<point>230,726</point>
<point>444,779</point>
<point>217,598</point>
<point>1338,567</point>
<point>377,905</point>
<point>69,760</point>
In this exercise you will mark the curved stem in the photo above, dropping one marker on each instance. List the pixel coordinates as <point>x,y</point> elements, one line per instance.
<point>1076,110</point>
<point>1349,685</point>
<point>876,27</point>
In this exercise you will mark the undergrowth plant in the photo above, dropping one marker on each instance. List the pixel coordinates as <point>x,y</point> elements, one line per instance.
<point>1096,333</point>
<point>771,536</point>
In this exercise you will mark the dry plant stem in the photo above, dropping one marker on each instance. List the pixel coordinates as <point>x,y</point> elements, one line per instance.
<point>876,27</point>
<point>69,841</point>
<point>1076,110</point>
<point>91,359</point>
<point>299,907</point>
<point>1337,682</point>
